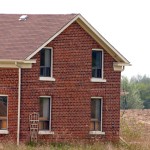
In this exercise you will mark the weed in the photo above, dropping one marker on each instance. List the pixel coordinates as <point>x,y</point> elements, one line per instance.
<point>135,133</point>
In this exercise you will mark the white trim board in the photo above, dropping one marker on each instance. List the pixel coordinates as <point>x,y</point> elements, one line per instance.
<point>51,38</point>
<point>4,63</point>
<point>94,33</point>
<point>101,40</point>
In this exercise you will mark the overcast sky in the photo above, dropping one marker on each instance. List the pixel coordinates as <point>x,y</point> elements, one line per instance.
<point>124,23</point>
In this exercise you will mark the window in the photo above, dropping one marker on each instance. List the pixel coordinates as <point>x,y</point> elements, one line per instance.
<point>96,114</point>
<point>46,62</point>
<point>45,114</point>
<point>97,63</point>
<point>3,112</point>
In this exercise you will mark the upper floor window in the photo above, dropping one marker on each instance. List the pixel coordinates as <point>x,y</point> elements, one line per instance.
<point>46,62</point>
<point>3,112</point>
<point>97,63</point>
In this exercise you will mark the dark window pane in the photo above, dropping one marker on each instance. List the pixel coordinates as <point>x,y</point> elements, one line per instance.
<point>45,63</point>
<point>3,106</point>
<point>44,107</point>
<point>41,71</point>
<point>3,112</point>
<point>97,64</point>
<point>93,105</point>
<point>45,71</point>
<point>42,58</point>
<point>47,57</point>
<point>44,113</point>
<point>95,115</point>
<point>98,110</point>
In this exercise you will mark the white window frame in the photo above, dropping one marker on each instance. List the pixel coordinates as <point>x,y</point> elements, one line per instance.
<point>51,77</point>
<point>101,130</point>
<point>6,130</point>
<point>102,78</point>
<point>47,131</point>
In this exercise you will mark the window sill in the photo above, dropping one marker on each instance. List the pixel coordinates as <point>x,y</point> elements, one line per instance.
<point>4,132</point>
<point>47,79</point>
<point>97,133</point>
<point>46,132</point>
<point>98,80</point>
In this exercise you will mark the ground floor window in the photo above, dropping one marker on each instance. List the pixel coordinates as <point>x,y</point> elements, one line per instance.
<point>3,112</point>
<point>45,113</point>
<point>96,114</point>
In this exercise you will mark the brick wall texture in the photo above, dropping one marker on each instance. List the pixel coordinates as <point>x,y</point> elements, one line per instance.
<point>71,92</point>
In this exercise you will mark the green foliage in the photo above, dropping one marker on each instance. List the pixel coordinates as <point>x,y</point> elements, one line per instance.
<point>146,104</point>
<point>131,100</point>
<point>139,92</point>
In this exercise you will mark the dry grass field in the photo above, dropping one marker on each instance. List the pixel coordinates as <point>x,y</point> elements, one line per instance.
<point>135,135</point>
<point>135,128</point>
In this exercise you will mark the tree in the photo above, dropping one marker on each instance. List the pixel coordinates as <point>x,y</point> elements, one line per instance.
<point>131,100</point>
<point>143,84</point>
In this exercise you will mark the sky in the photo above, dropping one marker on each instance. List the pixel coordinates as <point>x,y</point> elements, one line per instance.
<point>124,23</point>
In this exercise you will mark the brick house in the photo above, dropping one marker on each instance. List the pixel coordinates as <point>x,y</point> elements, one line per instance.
<point>60,67</point>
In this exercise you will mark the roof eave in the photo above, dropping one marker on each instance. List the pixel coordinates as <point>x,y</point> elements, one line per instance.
<point>9,63</point>
<point>101,40</point>
<point>94,34</point>
<point>53,37</point>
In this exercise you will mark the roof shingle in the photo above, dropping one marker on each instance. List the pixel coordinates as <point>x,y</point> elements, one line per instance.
<point>19,39</point>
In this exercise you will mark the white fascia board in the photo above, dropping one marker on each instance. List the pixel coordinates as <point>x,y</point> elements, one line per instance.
<point>13,65</point>
<point>31,61</point>
<point>53,37</point>
<point>86,23</point>
<point>15,60</point>
<point>121,64</point>
<point>5,63</point>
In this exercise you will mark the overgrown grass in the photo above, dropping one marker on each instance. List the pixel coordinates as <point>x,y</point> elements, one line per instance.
<point>135,134</point>
<point>96,146</point>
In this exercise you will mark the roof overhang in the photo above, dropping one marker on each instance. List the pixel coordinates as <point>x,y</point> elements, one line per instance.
<point>4,63</point>
<point>51,38</point>
<point>95,35</point>
<point>119,66</point>
<point>101,40</point>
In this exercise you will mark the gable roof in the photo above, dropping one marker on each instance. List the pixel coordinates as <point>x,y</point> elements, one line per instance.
<point>21,40</point>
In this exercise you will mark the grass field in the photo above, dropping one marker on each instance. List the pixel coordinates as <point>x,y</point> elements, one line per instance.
<point>135,129</point>
<point>135,135</point>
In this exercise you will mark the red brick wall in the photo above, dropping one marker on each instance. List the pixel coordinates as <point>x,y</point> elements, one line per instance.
<point>9,86</point>
<point>71,92</point>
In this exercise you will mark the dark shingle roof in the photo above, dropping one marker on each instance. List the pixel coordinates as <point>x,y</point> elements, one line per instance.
<point>18,39</point>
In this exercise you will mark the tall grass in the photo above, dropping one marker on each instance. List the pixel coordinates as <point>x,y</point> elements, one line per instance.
<point>136,136</point>
<point>81,146</point>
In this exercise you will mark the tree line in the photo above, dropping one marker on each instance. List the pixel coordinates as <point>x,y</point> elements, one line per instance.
<point>135,92</point>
